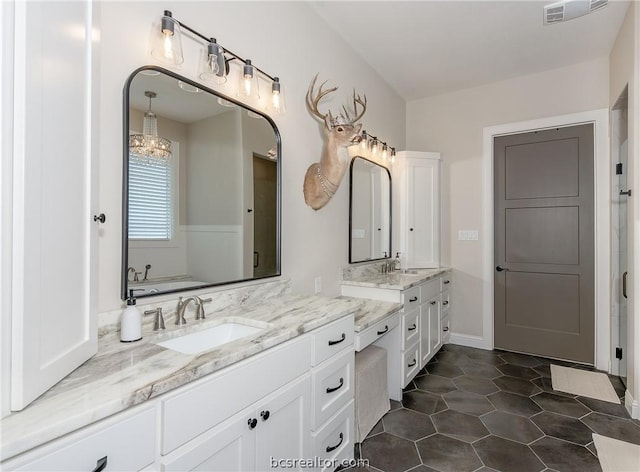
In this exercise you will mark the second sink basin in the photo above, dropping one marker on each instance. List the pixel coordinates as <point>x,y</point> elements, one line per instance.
<point>210,338</point>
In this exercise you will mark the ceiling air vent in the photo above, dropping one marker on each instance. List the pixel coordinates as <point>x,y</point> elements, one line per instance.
<point>597,4</point>
<point>570,9</point>
<point>553,14</point>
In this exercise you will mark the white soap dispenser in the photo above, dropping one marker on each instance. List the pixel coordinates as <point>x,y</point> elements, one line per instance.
<point>131,321</point>
<point>396,263</point>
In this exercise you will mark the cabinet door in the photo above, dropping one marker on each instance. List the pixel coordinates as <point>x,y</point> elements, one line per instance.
<point>54,144</point>
<point>284,426</point>
<point>227,447</point>
<point>428,311</point>
<point>423,212</point>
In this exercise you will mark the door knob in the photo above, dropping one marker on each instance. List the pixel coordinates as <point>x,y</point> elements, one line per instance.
<point>500,268</point>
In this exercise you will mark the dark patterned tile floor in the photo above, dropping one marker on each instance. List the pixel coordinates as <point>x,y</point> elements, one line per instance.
<point>475,410</point>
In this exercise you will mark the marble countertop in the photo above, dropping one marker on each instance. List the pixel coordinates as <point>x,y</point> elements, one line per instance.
<point>371,311</point>
<point>122,375</point>
<point>396,280</point>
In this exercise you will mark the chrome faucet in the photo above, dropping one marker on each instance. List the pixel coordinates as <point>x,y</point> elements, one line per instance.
<point>182,306</point>
<point>387,267</point>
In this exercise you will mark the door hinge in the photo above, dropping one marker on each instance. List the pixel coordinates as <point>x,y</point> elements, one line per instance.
<point>618,353</point>
<point>619,168</point>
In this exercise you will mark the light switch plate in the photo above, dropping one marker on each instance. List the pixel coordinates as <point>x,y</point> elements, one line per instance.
<point>468,235</point>
<point>318,285</point>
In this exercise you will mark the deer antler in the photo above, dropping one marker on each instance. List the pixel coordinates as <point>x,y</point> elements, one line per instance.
<point>356,100</point>
<point>312,103</point>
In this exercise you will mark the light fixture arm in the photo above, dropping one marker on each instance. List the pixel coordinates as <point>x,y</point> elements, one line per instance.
<point>224,50</point>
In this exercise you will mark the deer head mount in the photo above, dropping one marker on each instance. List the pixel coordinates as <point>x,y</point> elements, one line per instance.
<point>323,178</point>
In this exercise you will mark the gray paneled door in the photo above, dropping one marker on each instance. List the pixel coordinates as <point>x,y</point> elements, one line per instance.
<point>544,243</point>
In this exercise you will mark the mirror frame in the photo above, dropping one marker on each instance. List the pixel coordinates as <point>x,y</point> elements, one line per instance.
<point>125,183</point>
<point>353,160</point>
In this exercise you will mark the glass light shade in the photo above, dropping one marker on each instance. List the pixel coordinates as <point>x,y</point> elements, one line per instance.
<point>393,155</point>
<point>364,142</point>
<point>374,146</point>
<point>166,43</point>
<point>276,104</point>
<point>248,88</point>
<point>384,151</point>
<point>213,64</point>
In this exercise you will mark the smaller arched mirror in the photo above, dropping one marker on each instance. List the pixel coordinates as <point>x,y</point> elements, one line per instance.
<point>369,211</point>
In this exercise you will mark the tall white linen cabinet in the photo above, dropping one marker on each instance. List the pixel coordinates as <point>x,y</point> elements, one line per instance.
<point>416,182</point>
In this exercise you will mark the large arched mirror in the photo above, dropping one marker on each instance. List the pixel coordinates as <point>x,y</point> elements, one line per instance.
<point>369,211</point>
<point>201,199</point>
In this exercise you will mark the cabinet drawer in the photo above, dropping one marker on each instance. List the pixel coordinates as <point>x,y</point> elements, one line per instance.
<point>212,400</point>
<point>445,282</point>
<point>446,332</point>
<point>371,334</point>
<point>411,298</point>
<point>332,339</point>
<point>332,387</point>
<point>444,310</point>
<point>334,442</point>
<point>128,444</point>
<point>430,289</point>
<point>410,323</point>
<point>410,363</point>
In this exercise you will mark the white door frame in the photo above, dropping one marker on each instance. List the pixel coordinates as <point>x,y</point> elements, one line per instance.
<point>600,120</point>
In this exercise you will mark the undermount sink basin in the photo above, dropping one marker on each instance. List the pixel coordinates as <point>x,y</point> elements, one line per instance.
<point>210,338</point>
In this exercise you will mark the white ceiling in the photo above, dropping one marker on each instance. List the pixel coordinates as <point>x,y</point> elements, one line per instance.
<point>424,48</point>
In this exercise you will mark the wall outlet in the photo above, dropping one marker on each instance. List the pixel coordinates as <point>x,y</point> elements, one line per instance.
<point>468,235</point>
<point>318,285</point>
<point>357,233</point>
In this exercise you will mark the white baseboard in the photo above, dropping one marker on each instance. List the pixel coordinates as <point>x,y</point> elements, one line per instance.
<point>632,406</point>
<point>469,341</point>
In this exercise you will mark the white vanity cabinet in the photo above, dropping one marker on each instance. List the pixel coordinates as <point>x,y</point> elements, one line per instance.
<point>418,197</point>
<point>123,442</point>
<point>424,325</point>
<point>273,410</point>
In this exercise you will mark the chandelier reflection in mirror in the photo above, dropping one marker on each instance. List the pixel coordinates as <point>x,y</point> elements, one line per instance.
<point>214,67</point>
<point>149,145</point>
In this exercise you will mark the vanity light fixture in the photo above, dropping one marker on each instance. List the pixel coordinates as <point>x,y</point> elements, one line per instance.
<point>148,144</point>
<point>372,147</point>
<point>214,65</point>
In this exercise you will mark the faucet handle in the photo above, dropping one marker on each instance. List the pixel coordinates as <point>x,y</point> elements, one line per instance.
<point>158,323</point>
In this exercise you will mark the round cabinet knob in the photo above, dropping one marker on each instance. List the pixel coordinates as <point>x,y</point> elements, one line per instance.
<point>252,422</point>
<point>265,415</point>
